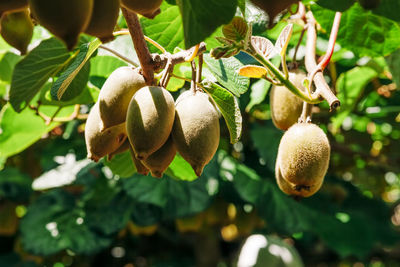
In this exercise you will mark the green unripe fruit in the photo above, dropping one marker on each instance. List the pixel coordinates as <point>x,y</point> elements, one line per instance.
<point>159,161</point>
<point>147,8</point>
<point>17,29</point>
<point>286,107</point>
<point>64,19</point>
<point>196,129</point>
<point>296,190</point>
<point>101,143</point>
<point>12,5</point>
<point>103,20</point>
<point>140,168</point>
<point>116,94</point>
<point>149,120</point>
<point>303,154</point>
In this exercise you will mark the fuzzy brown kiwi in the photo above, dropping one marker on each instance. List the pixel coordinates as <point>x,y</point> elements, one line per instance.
<point>17,29</point>
<point>149,120</point>
<point>303,154</point>
<point>296,189</point>
<point>103,20</point>
<point>286,107</point>
<point>116,94</point>
<point>159,161</point>
<point>147,8</point>
<point>273,7</point>
<point>101,143</point>
<point>64,19</point>
<point>196,129</point>
<point>140,168</point>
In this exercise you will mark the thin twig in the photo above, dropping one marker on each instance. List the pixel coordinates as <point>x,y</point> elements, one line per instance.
<point>119,55</point>
<point>193,85</point>
<point>139,42</point>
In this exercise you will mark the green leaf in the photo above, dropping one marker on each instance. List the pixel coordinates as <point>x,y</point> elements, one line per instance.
<point>180,169</point>
<point>121,164</point>
<point>166,28</point>
<point>32,72</point>
<point>103,66</point>
<point>19,131</point>
<point>201,18</point>
<point>259,91</point>
<point>54,223</point>
<point>226,72</point>
<point>389,9</point>
<point>77,71</point>
<point>338,5</point>
<point>362,32</point>
<point>14,185</point>
<point>229,107</point>
<point>266,141</point>
<point>393,62</point>
<point>7,64</point>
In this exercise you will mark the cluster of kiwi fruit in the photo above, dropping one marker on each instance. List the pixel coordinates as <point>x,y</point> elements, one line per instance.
<point>66,19</point>
<point>146,120</point>
<point>304,150</point>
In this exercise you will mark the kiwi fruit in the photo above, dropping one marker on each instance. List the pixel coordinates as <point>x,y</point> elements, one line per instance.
<point>294,189</point>
<point>273,7</point>
<point>104,17</point>
<point>64,19</point>
<point>17,29</point>
<point>149,120</point>
<point>159,161</point>
<point>12,5</point>
<point>140,168</point>
<point>196,129</point>
<point>101,143</point>
<point>148,8</point>
<point>303,154</point>
<point>124,147</point>
<point>116,94</point>
<point>286,107</point>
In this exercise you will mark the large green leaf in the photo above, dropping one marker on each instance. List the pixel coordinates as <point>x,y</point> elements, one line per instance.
<point>166,28</point>
<point>54,223</point>
<point>259,91</point>
<point>73,80</point>
<point>394,62</point>
<point>7,64</point>
<point>225,70</point>
<point>389,9</point>
<point>103,66</point>
<point>32,72</point>
<point>201,18</point>
<point>362,32</point>
<point>19,131</point>
<point>229,107</point>
<point>349,236</point>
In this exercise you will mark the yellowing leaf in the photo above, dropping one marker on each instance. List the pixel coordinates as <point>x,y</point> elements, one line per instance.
<point>253,71</point>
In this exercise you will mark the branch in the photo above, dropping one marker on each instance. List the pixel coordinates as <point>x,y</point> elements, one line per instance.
<point>160,61</point>
<point>322,88</point>
<point>139,42</point>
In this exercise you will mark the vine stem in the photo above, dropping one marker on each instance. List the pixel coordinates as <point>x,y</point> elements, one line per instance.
<point>119,55</point>
<point>322,88</point>
<point>139,42</point>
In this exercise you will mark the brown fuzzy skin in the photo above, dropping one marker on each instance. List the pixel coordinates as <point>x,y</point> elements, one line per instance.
<point>124,147</point>
<point>147,8</point>
<point>296,189</point>
<point>303,154</point>
<point>116,94</point>
<point>64,19</point>
<point>149,120</point>
<point>196,130</point>
<point>286,107</point>
<point>12,5</point>
<point>273,7</point>
<point>103,20</point>
<point>100,143</point>
<point>140,168</point>
<point>159,161</point>
<point>17,29</point>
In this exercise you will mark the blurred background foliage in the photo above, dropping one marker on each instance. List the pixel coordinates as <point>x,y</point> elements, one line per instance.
<point>59,209</point>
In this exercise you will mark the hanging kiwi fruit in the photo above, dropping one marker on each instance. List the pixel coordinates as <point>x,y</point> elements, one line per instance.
<point>148,8</point>
<point>12,5</point>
